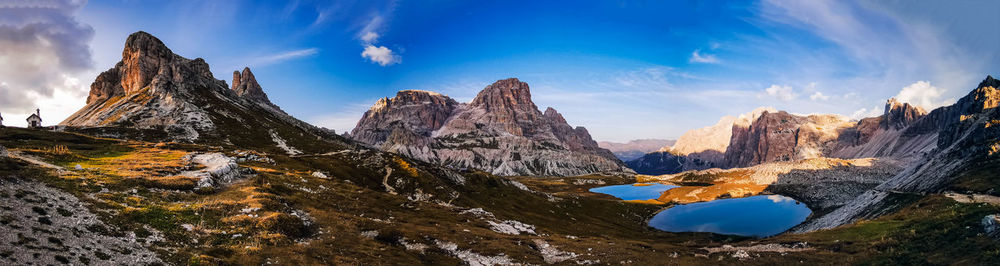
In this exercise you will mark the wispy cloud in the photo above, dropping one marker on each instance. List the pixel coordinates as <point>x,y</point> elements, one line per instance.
<point>818,96</point>
<point>369,35</point>
<point>283,56</point>
<point>698,57</point>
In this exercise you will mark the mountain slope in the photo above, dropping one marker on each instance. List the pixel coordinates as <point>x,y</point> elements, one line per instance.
<point>154,90</point>
<point>967,140</point>
<point>500,131</point>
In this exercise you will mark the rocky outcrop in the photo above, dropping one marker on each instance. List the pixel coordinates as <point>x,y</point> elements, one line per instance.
<point>153,89</point>
<point>146,89</point>
<point>697,149</point>
<point>966,134</point>
<point>500,131</point>
<point>412,114</point>
<point>245,85</point>
<point>899,115</point>
<point>780,136</point>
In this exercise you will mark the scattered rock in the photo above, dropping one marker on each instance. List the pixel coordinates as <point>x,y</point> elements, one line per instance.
<point>369,234</point>
<point>472,258</point>
<point>46,226</point>
<point>551,254</point>
<point>511,227</point>
<point>219,169</point>
<point>318,174</point>
<point>991,225</point>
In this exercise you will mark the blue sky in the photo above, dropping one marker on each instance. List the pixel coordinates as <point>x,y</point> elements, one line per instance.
<point>624,69</point>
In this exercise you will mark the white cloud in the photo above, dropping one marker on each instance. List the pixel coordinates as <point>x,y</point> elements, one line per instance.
<point>697,57</point>
<point>784,93</point>
<point>284,56</point>
<point>865,112</point>
<point>380,54</point>
<point>369,37</point>
<point>44,53</point>
<point>924,95</point>
<point>819,96</point>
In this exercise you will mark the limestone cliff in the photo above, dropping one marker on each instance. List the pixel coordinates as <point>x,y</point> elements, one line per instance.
<point>500,131</point>
<point>697,149</point>
<point>780,136</point>
<point>965,135</point>
<point>153,89</point>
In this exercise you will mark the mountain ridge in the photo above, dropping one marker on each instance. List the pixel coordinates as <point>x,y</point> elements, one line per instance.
<point>500,131</point>
<point>155,90</point>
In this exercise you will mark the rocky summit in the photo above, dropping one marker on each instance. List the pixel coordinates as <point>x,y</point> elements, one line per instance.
<point>155,94</point>
<point>501,131</point>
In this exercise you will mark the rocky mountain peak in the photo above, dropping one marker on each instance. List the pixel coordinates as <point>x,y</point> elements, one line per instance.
<point>987,94</point>
<point>142,44</point>
<point>142,59</point>
<point>554,115</point>
<point>152,88</point>
<point>245,85</point>
<point>416,111</point>
<point>505,94</point>
<point>500,131</point>
<point>899,115</point>
<point>989,82</point>
<point>420,96</point>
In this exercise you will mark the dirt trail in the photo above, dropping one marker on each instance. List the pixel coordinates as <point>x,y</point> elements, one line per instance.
<point>34,160</point>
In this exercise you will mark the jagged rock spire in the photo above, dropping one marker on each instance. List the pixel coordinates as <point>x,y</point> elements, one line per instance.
<point>899,115</point>
<point>245,85</point>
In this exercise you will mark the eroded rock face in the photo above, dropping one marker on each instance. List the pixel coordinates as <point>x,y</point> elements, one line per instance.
<point>412,114</point>
<point>245,85</point>
<point>500,131</point>
<point>899,115</point>
<point>962,136</point>
<point>152,89</point>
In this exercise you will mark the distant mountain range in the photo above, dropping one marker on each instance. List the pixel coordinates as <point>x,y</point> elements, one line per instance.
<point>635,148</point>
<point>767,135</point>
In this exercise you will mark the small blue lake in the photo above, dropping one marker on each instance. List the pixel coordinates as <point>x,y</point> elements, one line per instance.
<point>633,192</point>
<point>760,216</point>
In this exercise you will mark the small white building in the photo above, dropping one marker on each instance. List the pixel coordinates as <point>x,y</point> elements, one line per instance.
<point>35,120</point>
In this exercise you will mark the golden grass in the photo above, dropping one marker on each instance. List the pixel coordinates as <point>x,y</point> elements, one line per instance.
<point>150,164</point>
<point>406,167</point>
<point>690,194</point>
<point>649,201</point>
